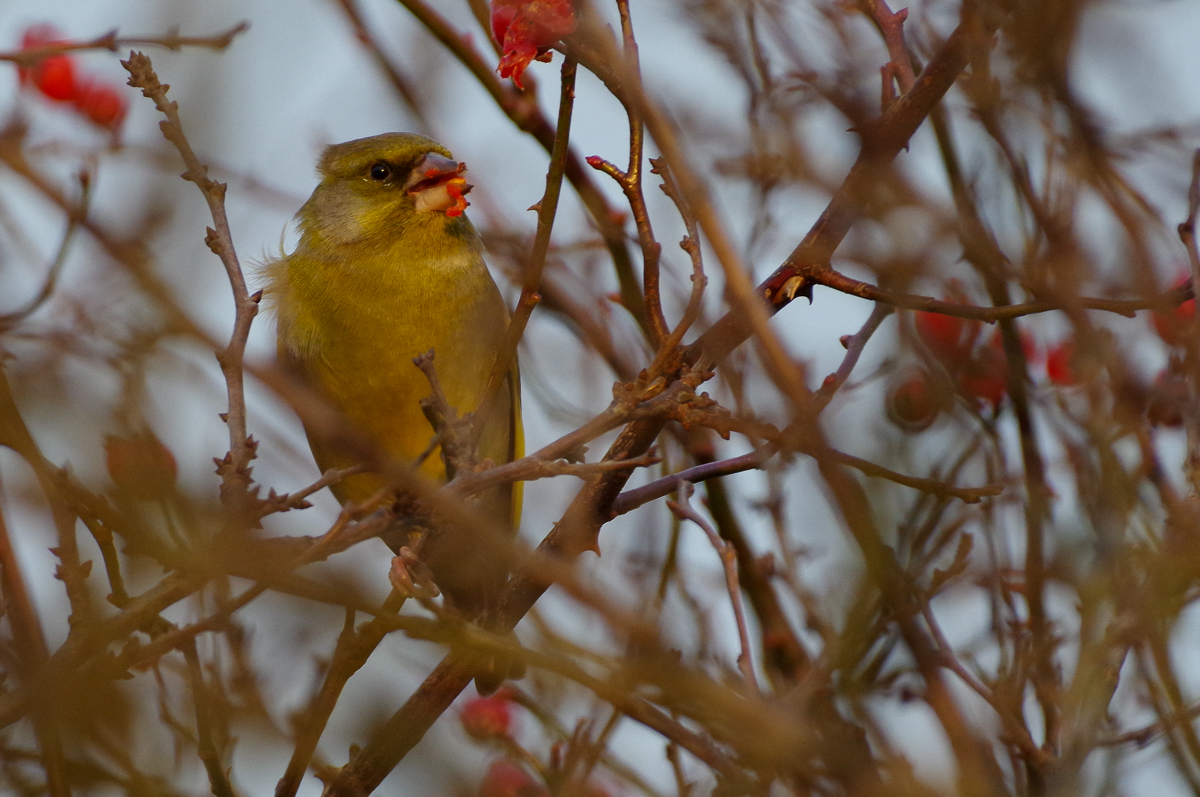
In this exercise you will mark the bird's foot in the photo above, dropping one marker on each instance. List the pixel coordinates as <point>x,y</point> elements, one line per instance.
<point>410,577</point>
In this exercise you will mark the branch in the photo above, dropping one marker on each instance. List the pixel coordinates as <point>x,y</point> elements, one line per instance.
<point>111,41</point>
<point>235,470</point>
<point>547,207</point>
<point>218,781</point>
<point>684,511</point>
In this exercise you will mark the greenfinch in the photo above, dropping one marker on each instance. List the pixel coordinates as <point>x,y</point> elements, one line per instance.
<point>388,267</point>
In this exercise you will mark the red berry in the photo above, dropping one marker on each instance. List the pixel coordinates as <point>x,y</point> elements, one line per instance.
<point>986,376</point>
<point>506,779</point>
<point>1168,397</point>
<point>55,78</point>
<point>912,403</point>
<point>948,337</point>
<point>1174,325</point>
<point>486,718</point>
<point>101,103</point>
<point>140,466</point>
<point>1058,364</point>
<point>525,29</point>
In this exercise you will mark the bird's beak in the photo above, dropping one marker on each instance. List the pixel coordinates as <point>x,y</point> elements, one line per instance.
<point>437,184</point>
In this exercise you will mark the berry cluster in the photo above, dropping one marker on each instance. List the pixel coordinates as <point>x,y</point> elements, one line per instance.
<point>525,31</point>
<point>1168,396</point>
<point>978,370</point>
<point>56,77</point>
<point>963,363</point>
<point>490,720</point>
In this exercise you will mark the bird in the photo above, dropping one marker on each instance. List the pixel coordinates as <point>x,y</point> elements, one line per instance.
<point>387,268</point>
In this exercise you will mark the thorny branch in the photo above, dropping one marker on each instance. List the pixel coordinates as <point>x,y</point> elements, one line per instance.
<point>112,41</point>
<point>235,487</point>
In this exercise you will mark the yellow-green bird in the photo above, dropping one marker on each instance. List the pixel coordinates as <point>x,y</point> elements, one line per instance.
<point>388,267</point>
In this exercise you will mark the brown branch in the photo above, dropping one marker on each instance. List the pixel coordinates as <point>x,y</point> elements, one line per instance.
<point>684,511</point>
<point>400,82</point>
<point>855,345</point>
<point>882,142</point>
<point>631,183</point>
<point>206,746</point>
<point>236,481</point>
<point>111,41</point>
<point>11,319</point>
<point>531,277</point>
<point>632,499</point>
<point>891,26</point>
<point>32,654</point>
<point>353,649</point>
<point>776,291</point>
<point>594,47</point>
<point>284,502</point>
<point>689,244</point>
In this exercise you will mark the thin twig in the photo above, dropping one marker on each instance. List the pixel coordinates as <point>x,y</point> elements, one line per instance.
<point>400,82</point>
<point>684,511</point>
<point>855,344</point>
<point>111,41</point>
<point>891,25</point>
<point>32,654</point>
<point>9,320</point>
<point>235,470</point>
<point>206,744</point>
<point>532,274</point>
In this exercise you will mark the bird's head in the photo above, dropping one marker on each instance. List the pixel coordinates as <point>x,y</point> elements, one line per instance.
<point>380,186</point>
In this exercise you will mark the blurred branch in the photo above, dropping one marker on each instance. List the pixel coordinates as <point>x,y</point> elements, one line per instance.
<point>32,654</point>
<point>9,320</point>
<point>112,41</point>
<point>400,82</point>
<point>684,511</point>
<point>882,141</point>
<point>202,701</point>
<point>1187,234</point>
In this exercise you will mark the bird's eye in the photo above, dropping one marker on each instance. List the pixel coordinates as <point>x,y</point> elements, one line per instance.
<point>380,172</point>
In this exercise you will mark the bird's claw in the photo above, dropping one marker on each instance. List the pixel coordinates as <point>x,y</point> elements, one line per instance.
<point>410,577</point>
